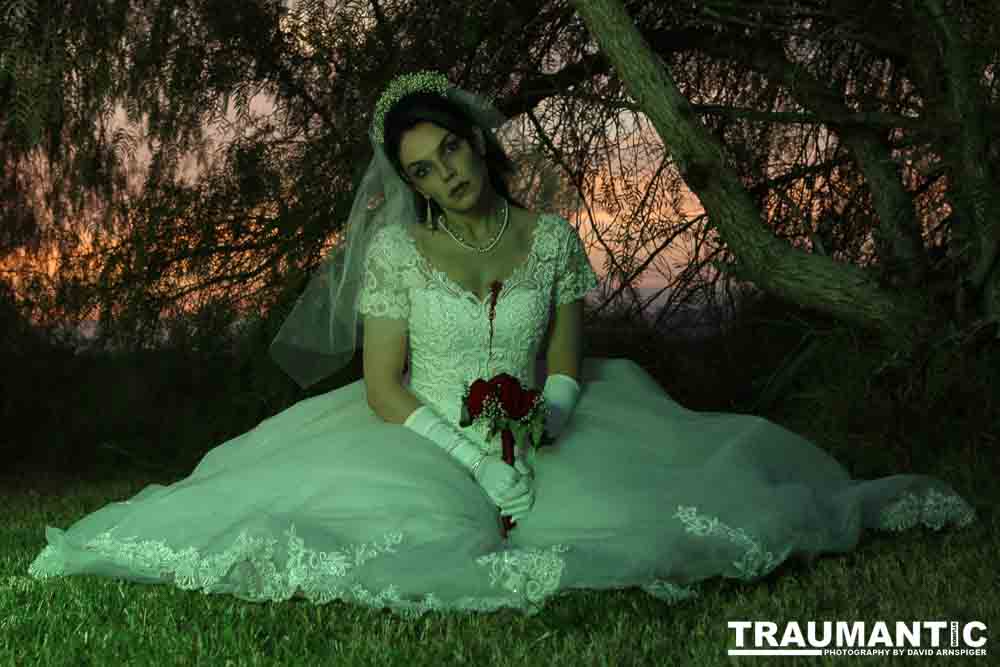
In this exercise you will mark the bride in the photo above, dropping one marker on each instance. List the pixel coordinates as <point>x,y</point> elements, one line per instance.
<point>375,494</point>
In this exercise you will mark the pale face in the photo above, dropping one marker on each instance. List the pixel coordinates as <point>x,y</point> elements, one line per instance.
<point>435,160</point>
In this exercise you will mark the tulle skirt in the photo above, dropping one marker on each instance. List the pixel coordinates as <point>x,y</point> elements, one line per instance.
<point>326,501</point>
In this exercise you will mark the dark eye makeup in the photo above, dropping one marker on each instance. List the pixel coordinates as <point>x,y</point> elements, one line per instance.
<point>451,144</point>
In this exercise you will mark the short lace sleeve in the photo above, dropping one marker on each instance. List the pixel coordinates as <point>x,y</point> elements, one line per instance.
<point>383,292</point>
<point>576,276</point>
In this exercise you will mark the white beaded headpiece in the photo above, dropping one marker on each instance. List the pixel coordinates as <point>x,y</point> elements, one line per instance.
<point>400,87</point>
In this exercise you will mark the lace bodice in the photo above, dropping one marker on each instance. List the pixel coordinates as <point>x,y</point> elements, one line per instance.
<point>449,328</point>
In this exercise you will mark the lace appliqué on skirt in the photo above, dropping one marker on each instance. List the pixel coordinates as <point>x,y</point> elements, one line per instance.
<point>755,561</point>
<point>933,509</point>
<point>525,577</point>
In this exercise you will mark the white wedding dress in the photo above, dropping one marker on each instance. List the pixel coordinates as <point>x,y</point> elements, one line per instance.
<point>325,500</point>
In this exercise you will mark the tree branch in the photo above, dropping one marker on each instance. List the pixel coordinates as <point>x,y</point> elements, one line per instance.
<point>843,291</point>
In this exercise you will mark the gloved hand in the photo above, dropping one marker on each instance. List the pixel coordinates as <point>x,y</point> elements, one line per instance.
<point>522,505</point>
<point>523,466</point>
<point>510,487</point>
<point>561,394</point>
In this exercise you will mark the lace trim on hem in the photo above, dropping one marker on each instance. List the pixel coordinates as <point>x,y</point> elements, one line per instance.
<point>933,509</point>
<point>526,577</point>
<point>755,561</point>
<point>671,593</point>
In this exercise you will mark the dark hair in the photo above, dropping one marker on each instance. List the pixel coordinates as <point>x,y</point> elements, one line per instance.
<point>433,108</point>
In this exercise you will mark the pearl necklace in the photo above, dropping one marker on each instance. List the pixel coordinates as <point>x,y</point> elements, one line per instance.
<point>459,239</point>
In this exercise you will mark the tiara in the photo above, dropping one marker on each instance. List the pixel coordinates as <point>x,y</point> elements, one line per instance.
<point>400,87</point>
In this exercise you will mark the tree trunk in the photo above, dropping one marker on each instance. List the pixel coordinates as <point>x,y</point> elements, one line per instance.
<point>971,189</point>
<point>900,244</point>
<point>844,291</point>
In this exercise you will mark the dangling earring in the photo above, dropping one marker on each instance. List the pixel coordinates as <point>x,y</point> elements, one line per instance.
<point>430,214</point>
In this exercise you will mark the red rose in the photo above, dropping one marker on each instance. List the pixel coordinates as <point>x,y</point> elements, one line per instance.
<point>508,389</point>
<point>501,380</point>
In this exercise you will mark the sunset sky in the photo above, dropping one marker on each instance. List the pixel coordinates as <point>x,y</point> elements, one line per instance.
<point>262,105</point>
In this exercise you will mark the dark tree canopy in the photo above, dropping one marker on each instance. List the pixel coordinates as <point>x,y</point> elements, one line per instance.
<point>844,152</point>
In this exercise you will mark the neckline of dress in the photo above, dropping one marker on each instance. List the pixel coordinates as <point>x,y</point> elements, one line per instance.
<point>506,281</point>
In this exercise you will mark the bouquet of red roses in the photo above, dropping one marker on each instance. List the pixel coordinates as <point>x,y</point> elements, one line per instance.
<point>507,407</point>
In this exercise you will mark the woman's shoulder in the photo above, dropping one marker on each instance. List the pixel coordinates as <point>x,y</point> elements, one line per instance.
<point>389,241</point>
<point>555,226</point>
<point>547,218</point>
<point>393,232</point>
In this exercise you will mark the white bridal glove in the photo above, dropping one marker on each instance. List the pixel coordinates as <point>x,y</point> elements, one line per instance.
<point>514,501</point>
<point>561,394</point>
<point>508,487</point>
